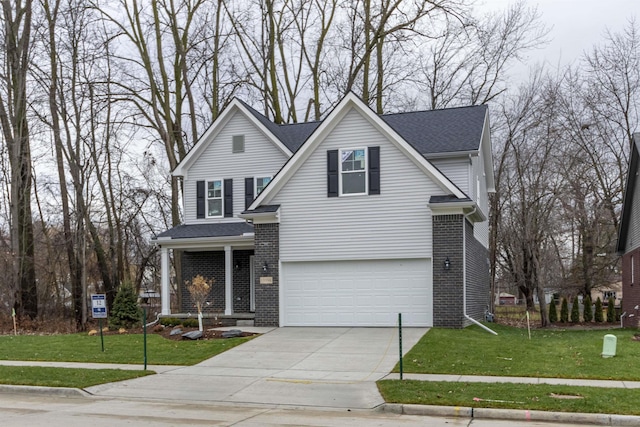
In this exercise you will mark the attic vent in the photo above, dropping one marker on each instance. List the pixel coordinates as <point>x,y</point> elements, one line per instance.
<point>238,144</point>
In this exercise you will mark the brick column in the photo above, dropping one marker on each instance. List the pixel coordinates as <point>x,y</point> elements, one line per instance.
<point>267,251</point>
<point>447,284</point>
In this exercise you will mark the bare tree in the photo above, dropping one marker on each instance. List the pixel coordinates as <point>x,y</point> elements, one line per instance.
<point>17,23</point>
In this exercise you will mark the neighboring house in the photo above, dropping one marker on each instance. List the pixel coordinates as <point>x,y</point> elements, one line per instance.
<point>344,222</point>
<point>613,290</point>
<point>629,239</point>
<point>505,298</point>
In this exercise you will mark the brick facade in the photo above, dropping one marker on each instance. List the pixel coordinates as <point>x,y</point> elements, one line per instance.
<point>448,298</point>
<point>478,277</point>
<point>631,289</point>
<point>267,251</point>
<point>210,264</point>
<point>447,284</point>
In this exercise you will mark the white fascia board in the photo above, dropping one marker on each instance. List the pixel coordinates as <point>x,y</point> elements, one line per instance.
<point>204,243</point>
<point>487,155</point>
<point>456,208</point>
<point>216,127</point>
<point>332,120</point>
<point>451,154</point>
<point>262,218</point>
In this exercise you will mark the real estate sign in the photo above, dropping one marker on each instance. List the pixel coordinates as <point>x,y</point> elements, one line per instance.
<point>99,306</point>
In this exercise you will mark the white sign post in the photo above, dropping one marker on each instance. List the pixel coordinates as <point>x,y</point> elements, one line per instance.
<point>99,311</point>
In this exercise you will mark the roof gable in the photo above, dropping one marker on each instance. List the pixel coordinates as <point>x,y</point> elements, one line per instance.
<point>348,103</point>
<point>235,107</point>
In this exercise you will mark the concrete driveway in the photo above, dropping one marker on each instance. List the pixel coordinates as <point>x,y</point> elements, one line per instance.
<point>320,367</point>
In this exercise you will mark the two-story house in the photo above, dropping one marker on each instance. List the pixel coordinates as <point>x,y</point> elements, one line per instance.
<point>629,239</point>
<point>344,222</point>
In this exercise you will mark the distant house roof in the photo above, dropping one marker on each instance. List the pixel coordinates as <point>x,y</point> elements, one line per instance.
<point>430,132</point>
<point>628,194</point>
<point>191,231</point>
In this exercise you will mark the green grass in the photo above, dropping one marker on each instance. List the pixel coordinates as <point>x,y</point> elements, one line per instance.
<point>126,348</point>
<point>549,353</point>
<point>64,377</point>
<point>517,396</point>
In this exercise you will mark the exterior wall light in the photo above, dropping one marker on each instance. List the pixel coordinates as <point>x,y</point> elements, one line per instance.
<point>447,264</point>
<point>265,267</point>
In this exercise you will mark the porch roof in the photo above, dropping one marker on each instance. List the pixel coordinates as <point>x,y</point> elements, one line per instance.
<point>195,231</point>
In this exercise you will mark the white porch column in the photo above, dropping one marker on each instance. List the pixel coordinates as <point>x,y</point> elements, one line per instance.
<point>165,295</point>
<point>228,295</point>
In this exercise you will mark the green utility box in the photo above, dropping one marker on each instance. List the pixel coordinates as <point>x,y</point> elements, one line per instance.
<point>609,345</point>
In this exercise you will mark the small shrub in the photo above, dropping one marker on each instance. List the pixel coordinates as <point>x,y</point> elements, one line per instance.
<point>553,312</point>
<point>598,316</point>
<point>587,313</point>
<point>189,323</point>
<point>611,310</point>
<point>126,312</point>
<point>170,321</point>
<point>564,311</point>
<point>575,311</point>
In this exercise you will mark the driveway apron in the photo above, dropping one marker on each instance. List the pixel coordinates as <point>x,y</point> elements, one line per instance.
<point>320,367</point>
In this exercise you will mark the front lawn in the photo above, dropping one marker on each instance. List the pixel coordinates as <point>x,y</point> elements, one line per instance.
<point>126,348</point>
<point>550,353</point>
<point>540,397</point>
<point>64,377</point>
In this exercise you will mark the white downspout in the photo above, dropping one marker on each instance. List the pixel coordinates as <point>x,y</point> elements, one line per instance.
<point>464,273</point>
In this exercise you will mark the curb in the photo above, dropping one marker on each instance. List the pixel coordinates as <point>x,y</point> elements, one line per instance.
<point>512,414</point>
<point>50,391</point>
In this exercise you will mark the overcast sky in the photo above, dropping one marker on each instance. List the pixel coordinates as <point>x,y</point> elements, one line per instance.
<point>576,25</point>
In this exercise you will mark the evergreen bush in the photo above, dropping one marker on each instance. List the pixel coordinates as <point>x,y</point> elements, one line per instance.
<point>126,312</point>
<point>575,311</point>
<point>587,313</point>
<point>611,310</point>
<point>598,316</point>
<point>553,312</point>
<point>564,311</point>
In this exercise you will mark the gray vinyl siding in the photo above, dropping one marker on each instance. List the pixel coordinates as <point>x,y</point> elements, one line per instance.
<point>480,230</point>
<point>394,224</point>
<point>260,158</point>
<point>633,238</point>
<point>457,169</point>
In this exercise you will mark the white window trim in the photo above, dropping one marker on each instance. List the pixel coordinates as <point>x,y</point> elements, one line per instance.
<point>206,198</point>
<point>255,183</point>
<point>365,171</point>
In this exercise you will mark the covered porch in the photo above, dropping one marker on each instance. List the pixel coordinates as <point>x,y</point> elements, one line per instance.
<point>222,253</point>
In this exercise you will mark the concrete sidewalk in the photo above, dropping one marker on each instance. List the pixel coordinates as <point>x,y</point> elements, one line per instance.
<point>517,380</point>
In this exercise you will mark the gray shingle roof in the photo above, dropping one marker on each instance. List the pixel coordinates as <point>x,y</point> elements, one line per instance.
<point>447,199</point>
<point>192,231</point>
<point>264,209</point>
<point>440,131</point>
<point>430,132</point>
<point>291,135</point>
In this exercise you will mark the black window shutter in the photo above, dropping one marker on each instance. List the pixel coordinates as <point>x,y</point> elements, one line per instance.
<point>248,192</point>
<point>374,170</point>
<point>228,198</point>
<point>200,199</point>
<point>332,173</point>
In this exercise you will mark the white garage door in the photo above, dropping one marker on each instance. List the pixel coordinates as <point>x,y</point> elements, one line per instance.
<point>357,293</point>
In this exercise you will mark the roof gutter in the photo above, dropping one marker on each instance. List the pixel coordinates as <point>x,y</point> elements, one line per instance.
<point>464,275</point>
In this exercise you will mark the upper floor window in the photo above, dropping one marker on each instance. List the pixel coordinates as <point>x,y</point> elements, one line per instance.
<point>353,171</point>
<point>237,144</point>
<point>261,183</point>
<point>214,198</point>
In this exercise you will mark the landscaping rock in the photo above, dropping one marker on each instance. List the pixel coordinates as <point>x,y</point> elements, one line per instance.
<point>193,335</point>
<point>233,333</point>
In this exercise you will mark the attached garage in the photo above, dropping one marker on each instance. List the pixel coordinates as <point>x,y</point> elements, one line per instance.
<point>356,293</point>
